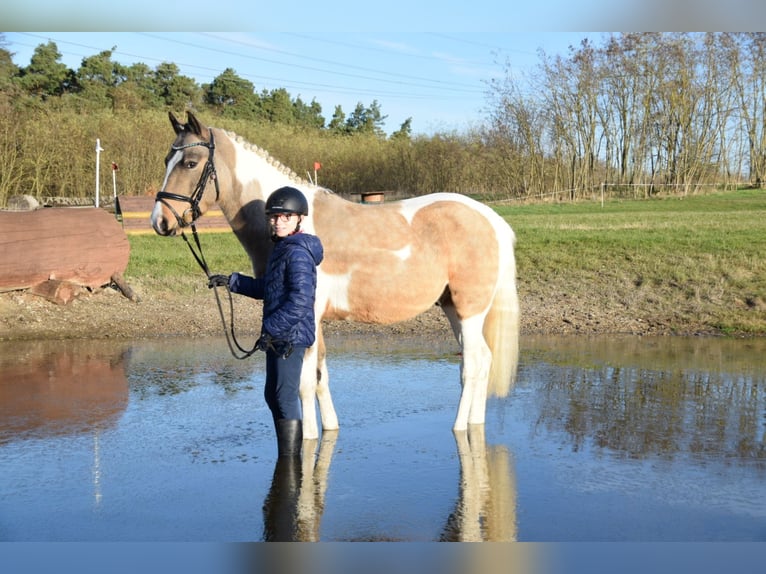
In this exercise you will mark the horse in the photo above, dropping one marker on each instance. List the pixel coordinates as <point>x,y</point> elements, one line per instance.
<point>384,263</point>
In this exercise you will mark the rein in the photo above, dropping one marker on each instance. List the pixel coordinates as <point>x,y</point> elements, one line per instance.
<point>193,201</point>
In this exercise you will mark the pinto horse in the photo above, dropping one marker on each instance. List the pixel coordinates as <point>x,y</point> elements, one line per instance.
<point>383,263</point>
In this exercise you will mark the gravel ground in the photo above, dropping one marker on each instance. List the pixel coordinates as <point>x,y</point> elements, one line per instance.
<point>106,313</point>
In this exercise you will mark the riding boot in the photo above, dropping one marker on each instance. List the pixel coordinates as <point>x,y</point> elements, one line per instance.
<point>289,437</point>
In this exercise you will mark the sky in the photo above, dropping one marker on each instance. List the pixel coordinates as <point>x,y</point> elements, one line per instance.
<point>421,60</point>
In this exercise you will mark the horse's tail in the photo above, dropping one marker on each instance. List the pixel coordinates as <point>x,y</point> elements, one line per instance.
<point>501,326</point>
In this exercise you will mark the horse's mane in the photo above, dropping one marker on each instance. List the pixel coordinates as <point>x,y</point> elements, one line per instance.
<point>294,177</point>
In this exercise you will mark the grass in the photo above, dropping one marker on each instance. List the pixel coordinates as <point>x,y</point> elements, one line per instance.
<point>696,260</point>
<point>166,263</point>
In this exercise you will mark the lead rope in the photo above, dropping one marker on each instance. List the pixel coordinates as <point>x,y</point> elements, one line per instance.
<point>231,338</point>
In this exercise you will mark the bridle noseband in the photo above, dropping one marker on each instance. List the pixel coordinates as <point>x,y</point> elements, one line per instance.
<point>193,199</point>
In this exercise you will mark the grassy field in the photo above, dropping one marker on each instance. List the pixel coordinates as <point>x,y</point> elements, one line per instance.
<point>696,258</point>
<point>693,260</point>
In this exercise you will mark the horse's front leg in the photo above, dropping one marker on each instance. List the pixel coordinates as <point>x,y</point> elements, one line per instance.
<point>326,408</point>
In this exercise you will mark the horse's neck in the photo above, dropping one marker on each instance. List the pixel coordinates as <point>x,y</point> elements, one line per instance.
<point>254,238</point>
<point>243,200</point>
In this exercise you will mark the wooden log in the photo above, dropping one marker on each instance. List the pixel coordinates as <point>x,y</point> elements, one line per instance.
<point>125,289</point>
<point>82,246</point>
<point>55,291</point>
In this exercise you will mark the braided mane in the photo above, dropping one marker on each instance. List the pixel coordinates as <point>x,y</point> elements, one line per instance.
<point>282,168</point>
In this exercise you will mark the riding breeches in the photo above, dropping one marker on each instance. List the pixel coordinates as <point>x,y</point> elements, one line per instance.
<point>283,380</point>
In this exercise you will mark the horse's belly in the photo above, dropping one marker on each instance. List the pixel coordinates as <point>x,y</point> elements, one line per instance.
<point>377,312</point>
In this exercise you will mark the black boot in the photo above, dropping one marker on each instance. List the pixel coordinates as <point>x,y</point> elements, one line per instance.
<point>289,437</point>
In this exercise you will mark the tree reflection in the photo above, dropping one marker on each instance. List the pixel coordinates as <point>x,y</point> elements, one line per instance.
<point>679,405</point>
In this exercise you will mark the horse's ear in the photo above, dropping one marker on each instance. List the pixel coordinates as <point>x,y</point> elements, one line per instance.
<point>177,126</point>
<point>194,123</point>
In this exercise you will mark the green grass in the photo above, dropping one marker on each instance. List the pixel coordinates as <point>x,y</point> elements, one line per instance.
<point>167,263</point>
<point>700,258</point>
<point>697,260</point>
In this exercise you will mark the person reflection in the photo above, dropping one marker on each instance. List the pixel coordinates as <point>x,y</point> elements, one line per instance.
<point>293,507</point>
<point>485,510</point>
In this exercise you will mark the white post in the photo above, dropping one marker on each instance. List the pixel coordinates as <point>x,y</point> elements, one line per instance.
<point>99,149</point>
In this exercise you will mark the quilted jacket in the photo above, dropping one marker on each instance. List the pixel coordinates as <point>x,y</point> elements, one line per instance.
<point>288,289</point>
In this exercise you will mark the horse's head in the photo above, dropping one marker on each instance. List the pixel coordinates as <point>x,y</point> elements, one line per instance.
<point>191,183</point>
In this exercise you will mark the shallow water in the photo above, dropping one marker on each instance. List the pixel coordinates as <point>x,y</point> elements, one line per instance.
<point>602,439</point>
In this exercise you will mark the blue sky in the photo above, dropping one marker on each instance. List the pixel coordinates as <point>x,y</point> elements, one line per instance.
<point>429,61</point>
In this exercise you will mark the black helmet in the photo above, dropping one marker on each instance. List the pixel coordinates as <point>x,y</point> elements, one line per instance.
<point>287,200</point>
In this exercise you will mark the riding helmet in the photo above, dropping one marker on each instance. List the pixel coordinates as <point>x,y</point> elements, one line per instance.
<point>287,200</point>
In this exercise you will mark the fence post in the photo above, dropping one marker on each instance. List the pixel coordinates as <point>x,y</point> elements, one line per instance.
<point>99,149</point>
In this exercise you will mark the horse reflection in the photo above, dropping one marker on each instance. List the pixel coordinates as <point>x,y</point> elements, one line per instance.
<point>485,510</point>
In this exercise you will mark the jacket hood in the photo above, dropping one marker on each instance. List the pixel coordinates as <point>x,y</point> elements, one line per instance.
<point>309,242</point>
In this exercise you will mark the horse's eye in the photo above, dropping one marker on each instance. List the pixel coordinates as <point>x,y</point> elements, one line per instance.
<point>191,164</point>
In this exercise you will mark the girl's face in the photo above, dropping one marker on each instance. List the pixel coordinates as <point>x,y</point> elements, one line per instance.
<point>283,224</point>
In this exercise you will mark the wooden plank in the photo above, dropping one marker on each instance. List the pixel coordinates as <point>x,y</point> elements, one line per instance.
<point>81,245</point>
<point>137,212</point>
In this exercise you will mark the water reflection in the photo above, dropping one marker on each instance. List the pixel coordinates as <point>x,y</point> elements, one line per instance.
<point>292,511</point>
<point>53,388</point>
<point>176,436</point>
<point>485,508</point>
<point>662,397</point>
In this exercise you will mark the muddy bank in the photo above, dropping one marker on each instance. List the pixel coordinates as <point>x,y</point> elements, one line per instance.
<point>106,313</point>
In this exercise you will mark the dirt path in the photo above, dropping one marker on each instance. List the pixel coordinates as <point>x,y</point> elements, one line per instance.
<point>108,314</point>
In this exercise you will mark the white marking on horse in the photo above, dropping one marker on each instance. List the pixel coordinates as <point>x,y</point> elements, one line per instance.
<point>337,292</point>
<point>404,253</point>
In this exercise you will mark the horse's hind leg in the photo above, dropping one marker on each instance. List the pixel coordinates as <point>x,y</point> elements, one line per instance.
<point>474,374</point>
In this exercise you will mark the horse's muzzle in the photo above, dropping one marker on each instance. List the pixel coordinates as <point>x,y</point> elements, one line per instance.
<point>161,223</point>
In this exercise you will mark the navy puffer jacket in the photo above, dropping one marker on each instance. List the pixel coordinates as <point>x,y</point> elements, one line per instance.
<point>288,289</point>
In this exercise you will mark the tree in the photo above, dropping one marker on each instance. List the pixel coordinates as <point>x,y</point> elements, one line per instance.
<point>45,76</point>
<point>338,122</point>
<point>137,88</point>
<point>96,77</point>
<point>404,132</point>
<point>177,91</point>
<point>7,68</point>
<point>231,95</point>
<point>366,120</point>
<point>277,107</point>
<point>309,115</point>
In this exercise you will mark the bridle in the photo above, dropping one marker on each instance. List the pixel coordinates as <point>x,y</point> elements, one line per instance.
<point>193,200</point>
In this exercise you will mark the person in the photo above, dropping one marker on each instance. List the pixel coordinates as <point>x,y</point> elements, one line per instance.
<point>288,290</point>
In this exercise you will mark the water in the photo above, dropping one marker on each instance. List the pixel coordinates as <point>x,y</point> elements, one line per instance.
<point>602,439</point>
